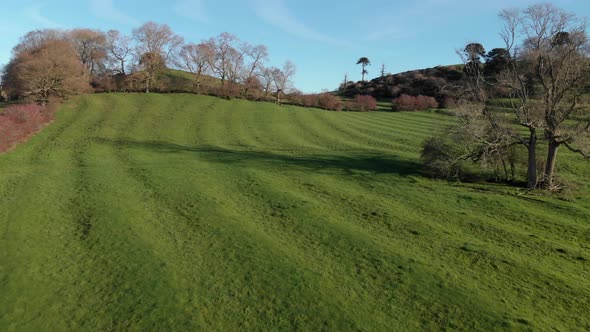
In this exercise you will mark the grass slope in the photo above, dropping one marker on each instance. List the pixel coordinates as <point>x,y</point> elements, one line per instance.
<point>181,212</point>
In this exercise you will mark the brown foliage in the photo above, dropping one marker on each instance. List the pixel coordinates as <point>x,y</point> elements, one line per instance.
<point>133,82</point>
<point>309,100</point>
<point>52,70</point>
<point>18,122</point>
<point>329,102</point>
<point>35,39</point>
<point>40,69</point>
<point>325,101</point>
<point>253,88</point>
<point>365,103</point>
<point>104,83</point>
<point>413,103</point>
<point>229,91</point>
<point>150,62</point>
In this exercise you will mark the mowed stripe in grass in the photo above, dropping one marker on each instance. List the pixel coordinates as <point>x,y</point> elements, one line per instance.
<point>182,212</point>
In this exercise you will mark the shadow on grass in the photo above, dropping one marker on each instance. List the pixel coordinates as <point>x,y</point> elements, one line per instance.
<point>350,162</point>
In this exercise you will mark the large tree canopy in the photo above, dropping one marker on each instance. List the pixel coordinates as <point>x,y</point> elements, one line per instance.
<point>50,70</point>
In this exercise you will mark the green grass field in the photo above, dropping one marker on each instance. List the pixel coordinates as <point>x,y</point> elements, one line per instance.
<point>181,212</point>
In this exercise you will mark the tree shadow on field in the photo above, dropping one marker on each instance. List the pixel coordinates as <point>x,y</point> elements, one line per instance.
<point>347,161</point>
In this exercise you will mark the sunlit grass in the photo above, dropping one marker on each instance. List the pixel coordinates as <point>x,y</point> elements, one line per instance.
<point>182,212</point>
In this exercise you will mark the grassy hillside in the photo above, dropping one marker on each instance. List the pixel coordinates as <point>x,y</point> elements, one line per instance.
<point>179,212</point>
<point>179,79</point>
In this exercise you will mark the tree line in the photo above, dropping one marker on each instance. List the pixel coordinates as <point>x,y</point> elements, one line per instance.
<point>51,64</point>
<point>544,70</point>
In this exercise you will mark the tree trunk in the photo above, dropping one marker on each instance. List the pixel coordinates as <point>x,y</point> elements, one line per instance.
<point>197,82</point>
<point>363,73</point>
<point>532,160</point>
<point>548,177</point>
<point>147,85</point>
<point>278,97</point>
<point>506,176</point>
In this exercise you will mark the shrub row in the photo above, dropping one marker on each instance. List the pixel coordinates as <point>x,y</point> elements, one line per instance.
<point>331,102</point>
<point>413,103</point>
<point>18,122</point>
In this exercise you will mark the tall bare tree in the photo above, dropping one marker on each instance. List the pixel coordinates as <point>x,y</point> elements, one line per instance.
<point>195,58</point>
<point>256,55</point>
<point>266,79</point>
<point>225,54</point>
<point>282,79</point>
<point>118,49</point>
<point>549,47</point>
<point>90,46</point>
<point>344,83</point>
<point>235,62</point>
<point>152,37</point>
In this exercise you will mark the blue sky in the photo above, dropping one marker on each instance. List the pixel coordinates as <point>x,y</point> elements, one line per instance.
<point>324,38</point>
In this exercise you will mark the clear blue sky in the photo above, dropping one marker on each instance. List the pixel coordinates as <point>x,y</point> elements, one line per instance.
<point>324,38</point>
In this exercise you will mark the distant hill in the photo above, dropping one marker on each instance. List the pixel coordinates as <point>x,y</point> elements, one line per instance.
<point>439,82</point>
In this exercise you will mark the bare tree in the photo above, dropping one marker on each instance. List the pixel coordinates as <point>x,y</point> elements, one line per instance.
<point>224,46</point>
<point>235,62</point>
<point>478,136</point>
<point>152,37</point>
<point>553,55</point>
<point>90,46</point>
<point>344,83</point>
<point>266,79</point>
<point>118,49</point>
<point>195,58</point>
<point>282,79</point>
<point>257,55</point>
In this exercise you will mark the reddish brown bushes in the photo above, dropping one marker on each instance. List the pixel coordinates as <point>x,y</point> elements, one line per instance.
<point>309,101</point>
<point>325,101</point>
<point>365,103</point>
<point>19,122</point>
<point>329,102</point>
<point>413,103</point>
<point>332,102</point>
